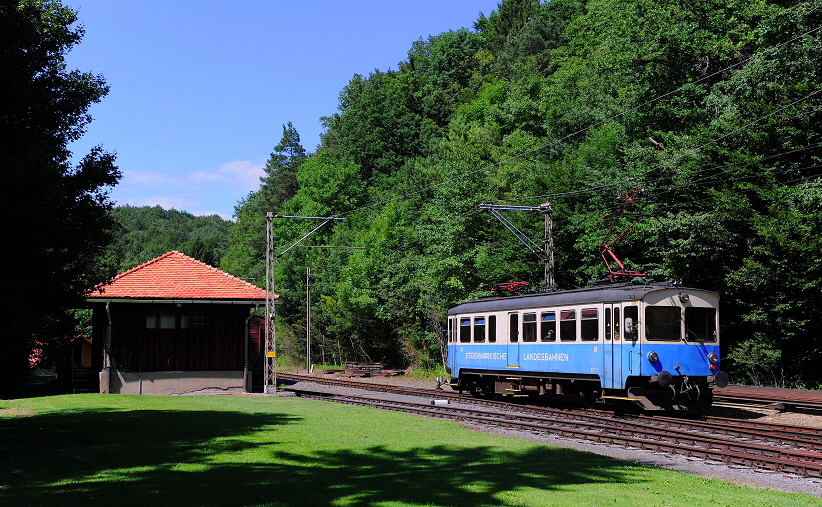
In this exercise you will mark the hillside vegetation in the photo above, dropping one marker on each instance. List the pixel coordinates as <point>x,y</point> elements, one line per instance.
<point>709,108</point>
<point>146,232</point>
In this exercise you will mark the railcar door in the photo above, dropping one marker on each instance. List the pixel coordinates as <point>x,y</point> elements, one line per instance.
<point>452,346</point>
<point>513,340</point>
<point>630,340</point>
<point>612,354</point>
<point>620,358</point>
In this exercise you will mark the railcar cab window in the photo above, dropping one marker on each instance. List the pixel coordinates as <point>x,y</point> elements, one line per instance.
<point>451,330</point>
<point>700,324</point>
<point>465,330</point>
<point>529,327</point>
<point>568,325</point>
<point>663,323</point>
<point>631,323</point>
<point>479,329</point>
<point>548,327</point>
<point>589,324</point>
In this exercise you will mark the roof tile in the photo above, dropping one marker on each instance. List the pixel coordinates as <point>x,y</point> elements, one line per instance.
<point>175,275</point>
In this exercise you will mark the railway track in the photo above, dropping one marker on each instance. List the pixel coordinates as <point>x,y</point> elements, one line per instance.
<point>780,448</point>
<point>795,400</point>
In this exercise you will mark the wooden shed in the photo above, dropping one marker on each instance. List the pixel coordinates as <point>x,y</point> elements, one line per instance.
<point>173,325</point>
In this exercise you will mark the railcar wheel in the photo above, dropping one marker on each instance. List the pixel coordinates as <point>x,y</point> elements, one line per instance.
<point>589,398</point>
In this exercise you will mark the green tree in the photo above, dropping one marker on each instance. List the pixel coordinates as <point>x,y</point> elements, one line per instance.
<point>245,255</point>
<point>57,214</point>
<point>280,180</point>
<point>508,19</point>
<point>146,232</point>
<point>710,107</point>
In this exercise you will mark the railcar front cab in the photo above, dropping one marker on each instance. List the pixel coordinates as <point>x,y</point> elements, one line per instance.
<point>679,351</point>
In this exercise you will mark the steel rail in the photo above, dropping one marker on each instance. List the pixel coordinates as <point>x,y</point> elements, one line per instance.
<point>774,447</point>
<point>803,436</point>
<point>794,400</point>
<point>731,452</point>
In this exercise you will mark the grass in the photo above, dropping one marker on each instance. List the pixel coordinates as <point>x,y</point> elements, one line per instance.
<point>230,451</point>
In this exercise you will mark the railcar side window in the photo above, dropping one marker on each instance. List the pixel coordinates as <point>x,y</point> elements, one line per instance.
<point>529,327</point>
<point>479,329</point>
<point>492,329</point>
<point>548,327</point>
<point>568,325</point>
<point>663,323</point>
<point>589,325</point>
<point>465,330</point>
<point>700,324</point>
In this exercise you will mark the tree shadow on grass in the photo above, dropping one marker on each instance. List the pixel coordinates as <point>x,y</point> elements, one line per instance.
<point>205,458</point>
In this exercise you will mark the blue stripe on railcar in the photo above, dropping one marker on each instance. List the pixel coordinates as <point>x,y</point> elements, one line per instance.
<point>585,358</point>
<point>573,357</point>
<point>482,357</point>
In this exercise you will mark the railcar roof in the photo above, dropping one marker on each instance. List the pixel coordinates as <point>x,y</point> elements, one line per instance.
<point>598,294</point>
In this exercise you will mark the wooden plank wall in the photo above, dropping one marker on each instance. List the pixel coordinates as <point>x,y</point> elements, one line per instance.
<point>220,346</point>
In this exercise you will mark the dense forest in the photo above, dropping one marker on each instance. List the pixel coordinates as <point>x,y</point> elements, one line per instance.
<point>709,109</point>
<point>143,233</point>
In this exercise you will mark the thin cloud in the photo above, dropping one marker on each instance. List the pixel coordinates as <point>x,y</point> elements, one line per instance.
<point>197,192</point>
<point>238,176</point>
<point>150,179</point>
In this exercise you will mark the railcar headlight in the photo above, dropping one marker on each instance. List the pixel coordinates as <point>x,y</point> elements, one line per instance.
<point>713,358</point>
<point>653,356</point>
<point>684,297</point>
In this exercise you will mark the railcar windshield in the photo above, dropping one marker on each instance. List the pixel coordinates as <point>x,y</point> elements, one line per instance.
<point>700,324</point>
<point>663,323</point>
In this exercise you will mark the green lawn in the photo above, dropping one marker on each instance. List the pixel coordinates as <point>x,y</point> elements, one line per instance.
<point>119,450</point>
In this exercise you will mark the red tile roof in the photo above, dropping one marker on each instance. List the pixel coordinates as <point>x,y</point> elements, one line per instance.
<point>175,275</point>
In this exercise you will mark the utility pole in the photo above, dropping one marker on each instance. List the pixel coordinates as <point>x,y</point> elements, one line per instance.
<point>270,366</point>
<point>308,320</point>
<point>546,252</point>
<point>548,243</point>
<point>270,370</point>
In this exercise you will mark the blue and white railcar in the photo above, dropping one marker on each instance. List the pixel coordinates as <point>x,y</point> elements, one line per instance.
<point>653,345</point>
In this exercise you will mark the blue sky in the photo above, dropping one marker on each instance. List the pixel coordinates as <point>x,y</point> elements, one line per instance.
<point>200,90</point>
